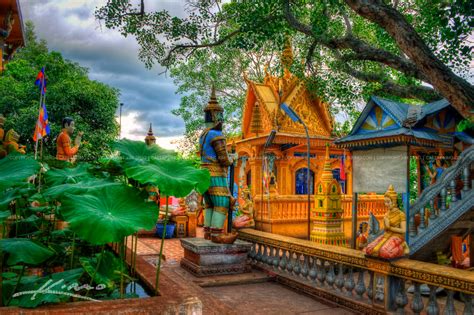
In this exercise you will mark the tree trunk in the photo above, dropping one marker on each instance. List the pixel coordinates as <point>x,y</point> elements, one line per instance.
<point>455,89</point>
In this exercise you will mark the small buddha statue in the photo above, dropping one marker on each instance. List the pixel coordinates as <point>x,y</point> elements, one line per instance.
<point>63,144</point>
<point>246,219</point>
<point>10,143</point>
<point>391,244</point>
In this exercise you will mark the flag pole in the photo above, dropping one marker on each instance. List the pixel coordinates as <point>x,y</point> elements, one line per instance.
<point>39,111</point>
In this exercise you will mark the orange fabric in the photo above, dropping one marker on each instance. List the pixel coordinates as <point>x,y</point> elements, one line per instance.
<point>456,248</point>
<point>63,147</point>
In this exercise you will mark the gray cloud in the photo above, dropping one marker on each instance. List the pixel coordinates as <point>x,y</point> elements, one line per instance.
<point>69,27</point>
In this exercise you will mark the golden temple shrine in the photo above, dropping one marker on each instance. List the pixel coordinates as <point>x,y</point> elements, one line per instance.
<point>281,202</point>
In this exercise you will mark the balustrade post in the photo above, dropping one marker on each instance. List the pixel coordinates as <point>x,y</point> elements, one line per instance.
<point>321,272</point>
<point>340,278</point>
<point>412,227</point>
<point>443,194</point>
<point>283,261</point>
<point>422,225</point>
<point>276,258</point>
<point>265,254</point>
<point>258,257</point>
<point>417,302</point>
<point>467,304</point>
<point>349,283</point>
<point>433,214</point>
<point>433,307</point>
<point>465,178</point>
<point>312,271</point>
<point>304,269</point>
<point>453,191</point>
<point>297,266</point>
<point>360,287</point>
<point>449,308</point>
<point>289,266</point>
<point>370,289</point>
<point>331,276</point>
<point>253,253</point>
<point>401,299</point>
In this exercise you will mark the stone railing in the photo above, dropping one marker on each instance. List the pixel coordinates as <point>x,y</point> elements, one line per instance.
<point>364,285</point>
<point>295,207</point>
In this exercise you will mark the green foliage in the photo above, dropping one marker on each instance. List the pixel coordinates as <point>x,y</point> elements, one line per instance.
<point>108,214</point>
<point>69,93</point>
<point>22,250</point>
<point>162,174</point>
<point>84,186</point>
<point>108,272</point>
<point>15,169</point>
<point>56,177</point>
<point>138,153</point>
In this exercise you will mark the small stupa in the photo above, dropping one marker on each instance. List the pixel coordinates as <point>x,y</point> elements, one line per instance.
<point>150,138</point>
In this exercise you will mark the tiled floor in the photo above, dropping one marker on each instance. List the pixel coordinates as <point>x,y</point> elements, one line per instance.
<point>246,294</point>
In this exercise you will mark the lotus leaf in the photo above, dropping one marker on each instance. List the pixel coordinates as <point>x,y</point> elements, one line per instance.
<point>173,177</point>
<point>109,269</point>
<point>108,214</point>
<point>15,169</point>
<point>74,175</point>
<point>23,250</point>
<point>78,188</point>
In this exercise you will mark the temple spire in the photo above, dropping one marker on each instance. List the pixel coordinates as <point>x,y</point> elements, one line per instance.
<point>327,171</point>
<point>150,138</point>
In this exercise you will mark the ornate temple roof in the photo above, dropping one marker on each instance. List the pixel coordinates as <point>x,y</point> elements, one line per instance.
<point>384,122</point>
<point>16,36</point>
<point>285,89</point>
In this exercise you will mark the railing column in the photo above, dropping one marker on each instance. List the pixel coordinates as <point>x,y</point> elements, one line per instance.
<point>297,266</point>
<point>443,199</point>
<point>304,269</point>
<point>401,300</point>
<point>321,272</point>
<point>283,261</point>
<point>289,266</point>
<point>422,225</point>
<point>412,227</point>
<point>360,287</point>
<point>465,178</point>
<point>349,284</point>
<point>313,270</point>
<point>340,278</point>
<point>331,276</point>
<point>467,304</point>
<point>258,257</point>
<point>449,308</point>
<point>370,289</point>
<point>453,191</point>
<point>433,307</point>
<point>417,302</point>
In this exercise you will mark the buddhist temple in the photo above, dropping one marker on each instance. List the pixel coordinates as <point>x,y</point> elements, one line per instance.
<point>11,30</point>
<point>281,203</point>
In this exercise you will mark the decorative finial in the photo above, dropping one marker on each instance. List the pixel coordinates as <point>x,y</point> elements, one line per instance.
<point>213,93</point>
<point>287,54</point>
<point>392,194</point>
<point>150,138</point>
<point>213,105</point>
<point>150,131</point>
<point>327,170</point>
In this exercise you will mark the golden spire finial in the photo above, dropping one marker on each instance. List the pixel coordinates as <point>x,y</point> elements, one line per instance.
<point>392,194</point>
<point>287,54</point>
<point>150,131</point>
<point>327,171</point>
<point>213,105</point>
<point>150,138</point>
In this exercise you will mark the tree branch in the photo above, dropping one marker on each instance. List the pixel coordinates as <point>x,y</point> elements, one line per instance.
<point>458,91</point>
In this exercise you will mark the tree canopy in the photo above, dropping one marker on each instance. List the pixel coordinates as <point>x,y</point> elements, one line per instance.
<point>70,93</point>
<point>345,49</point>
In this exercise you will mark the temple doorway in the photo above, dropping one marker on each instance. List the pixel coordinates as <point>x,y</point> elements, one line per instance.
<point>301,183</point>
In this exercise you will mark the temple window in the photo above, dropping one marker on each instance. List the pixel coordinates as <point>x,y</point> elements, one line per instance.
<point>301,181</point>
<point>304,154</point>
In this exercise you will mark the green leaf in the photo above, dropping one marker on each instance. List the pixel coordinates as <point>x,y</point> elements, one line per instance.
<point>79,188</point>
<point>59,282</point>
<point>137,152</point>
<point>15,169</point>
<point>68,175</point>
<point>22,250</point>
<point>174,178</point>
<point>108,214</point>
<point>4,215</point>
<point>106,273</point>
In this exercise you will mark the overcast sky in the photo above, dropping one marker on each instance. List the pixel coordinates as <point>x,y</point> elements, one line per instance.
<point>69,26</point>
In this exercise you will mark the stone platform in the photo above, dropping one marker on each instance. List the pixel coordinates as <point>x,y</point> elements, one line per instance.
<point>204,258</point>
